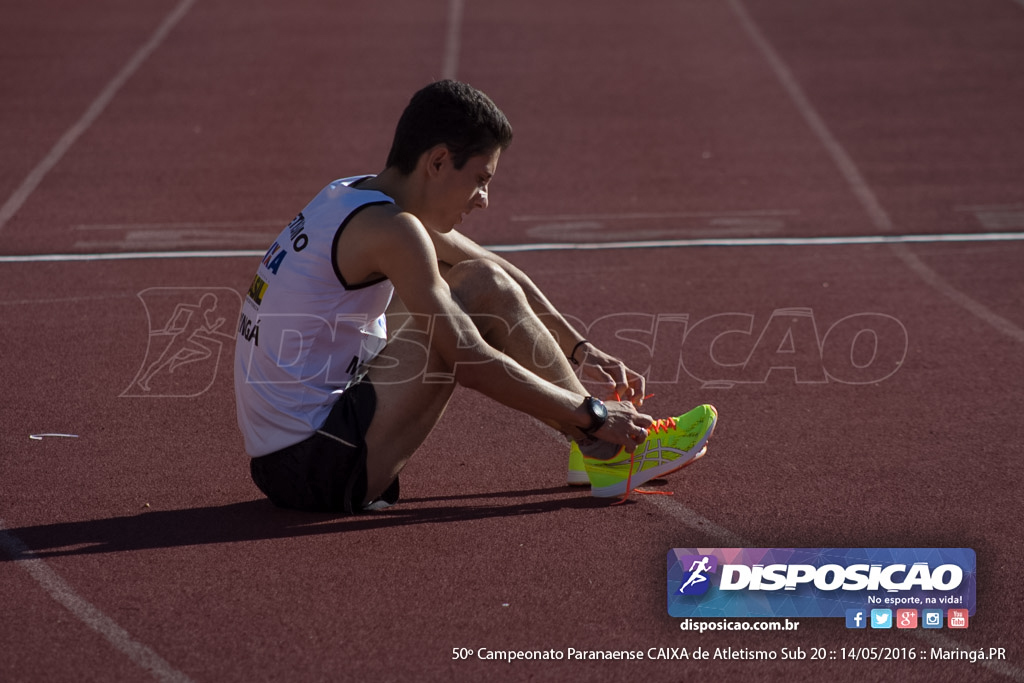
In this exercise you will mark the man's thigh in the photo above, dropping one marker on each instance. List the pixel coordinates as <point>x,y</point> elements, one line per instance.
<point>413,387</point>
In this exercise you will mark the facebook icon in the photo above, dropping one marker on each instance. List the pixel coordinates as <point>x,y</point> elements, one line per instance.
<point>856,618</point>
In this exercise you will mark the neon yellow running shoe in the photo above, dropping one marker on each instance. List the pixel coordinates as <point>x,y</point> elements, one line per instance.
<point>671,444</point>
<point>578,476</point>
<point>577,472</point>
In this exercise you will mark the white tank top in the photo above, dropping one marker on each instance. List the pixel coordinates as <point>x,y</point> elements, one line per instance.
<point>304,332</point>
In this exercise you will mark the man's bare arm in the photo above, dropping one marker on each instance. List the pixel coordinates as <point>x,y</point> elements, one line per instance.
<point>398,246</point>
<point>599,367</point>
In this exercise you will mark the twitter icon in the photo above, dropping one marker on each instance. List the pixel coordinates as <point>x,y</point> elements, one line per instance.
<point>881,618</point>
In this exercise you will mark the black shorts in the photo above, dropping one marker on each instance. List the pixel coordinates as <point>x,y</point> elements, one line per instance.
<point>327,471</point>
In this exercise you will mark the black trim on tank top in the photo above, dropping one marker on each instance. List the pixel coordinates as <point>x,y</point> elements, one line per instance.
<point>334,250</point>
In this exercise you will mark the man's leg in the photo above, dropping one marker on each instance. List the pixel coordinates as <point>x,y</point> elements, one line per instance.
<point>504,317</point>
<point>409,404</point>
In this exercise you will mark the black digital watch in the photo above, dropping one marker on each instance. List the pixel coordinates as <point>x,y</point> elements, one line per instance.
<point>598,412</point>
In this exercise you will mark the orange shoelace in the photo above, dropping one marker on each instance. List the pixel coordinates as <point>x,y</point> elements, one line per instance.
<point>664,424</point>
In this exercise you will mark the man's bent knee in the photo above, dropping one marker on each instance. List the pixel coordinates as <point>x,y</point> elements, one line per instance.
<point>482,286</point>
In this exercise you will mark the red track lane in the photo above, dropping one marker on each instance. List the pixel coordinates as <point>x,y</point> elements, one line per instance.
<point>669,111</point>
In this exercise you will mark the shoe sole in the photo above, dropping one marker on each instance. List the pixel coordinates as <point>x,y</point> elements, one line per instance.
<point>580,478</point>
<point>639,479</point>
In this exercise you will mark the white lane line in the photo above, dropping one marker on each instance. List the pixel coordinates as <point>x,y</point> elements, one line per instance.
<point>763,242</point>
<point>35,177</point>
<point>654,216</point>
<point>130,256</point>
<point>59,590</point>
<point>980,311</point>
<point>453,39</point>
<point>856,182</point>
<point>564,246</point>
<point>66,300</point>
<point>693,520</point>
<point>859,186</point>
<point>213,225</point>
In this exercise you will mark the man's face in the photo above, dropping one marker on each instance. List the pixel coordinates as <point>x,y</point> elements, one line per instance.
<point>461,190</point>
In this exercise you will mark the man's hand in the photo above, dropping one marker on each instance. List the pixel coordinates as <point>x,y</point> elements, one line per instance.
<point>625,426</point>
<point>610,376</point>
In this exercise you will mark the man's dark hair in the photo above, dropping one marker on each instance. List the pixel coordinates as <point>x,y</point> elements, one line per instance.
<point>448,112</point>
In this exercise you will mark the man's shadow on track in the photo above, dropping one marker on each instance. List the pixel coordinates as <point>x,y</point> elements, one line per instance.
<point>258,520</point>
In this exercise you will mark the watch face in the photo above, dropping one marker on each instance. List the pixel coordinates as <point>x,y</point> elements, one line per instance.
<point>598,414</point>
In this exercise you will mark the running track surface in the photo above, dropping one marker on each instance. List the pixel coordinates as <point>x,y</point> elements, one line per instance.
<point>139,549</point>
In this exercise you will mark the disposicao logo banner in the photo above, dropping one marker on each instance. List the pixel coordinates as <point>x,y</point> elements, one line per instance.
<point>816,582</point>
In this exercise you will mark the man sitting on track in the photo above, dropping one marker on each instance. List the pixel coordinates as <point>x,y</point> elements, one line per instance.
<point>371,306</point>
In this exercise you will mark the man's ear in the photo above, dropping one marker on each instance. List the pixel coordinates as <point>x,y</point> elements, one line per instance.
<point>437,157</point>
